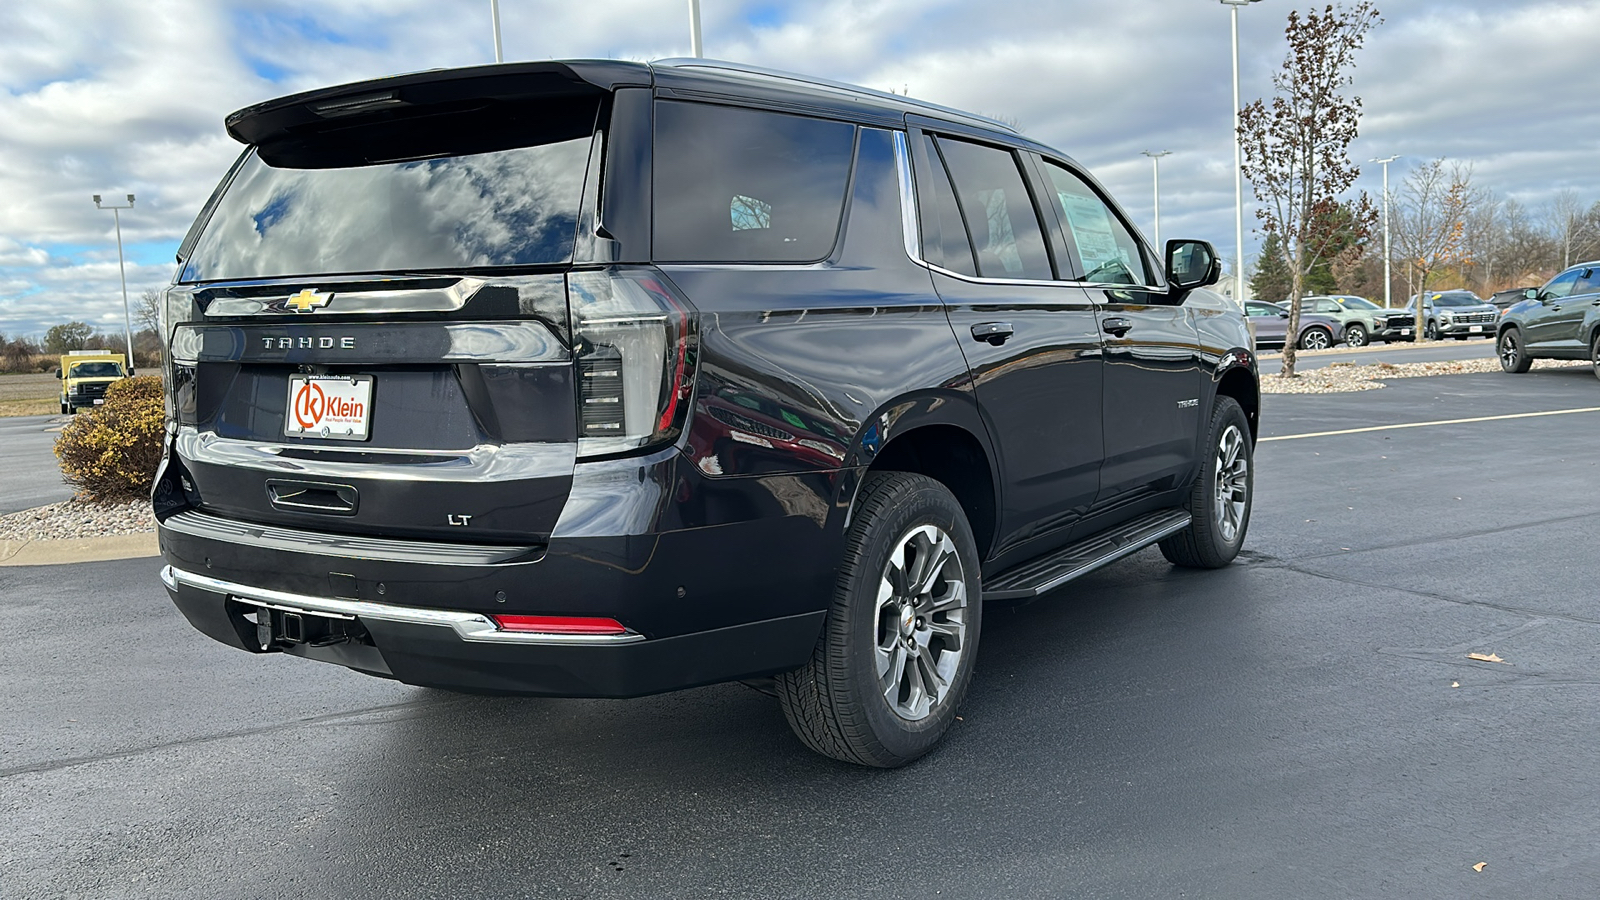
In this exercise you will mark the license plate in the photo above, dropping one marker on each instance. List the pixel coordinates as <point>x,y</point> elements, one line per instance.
<point>1405,332</point>
<point>100,401</point>
<point>326,406</point>
<point>1475,328</point>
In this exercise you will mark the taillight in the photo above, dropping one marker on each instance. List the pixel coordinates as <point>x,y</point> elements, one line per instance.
<point>634,340</point>
<point>559,624</point>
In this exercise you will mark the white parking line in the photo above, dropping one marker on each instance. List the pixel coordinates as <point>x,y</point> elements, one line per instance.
<point>1312,434</point>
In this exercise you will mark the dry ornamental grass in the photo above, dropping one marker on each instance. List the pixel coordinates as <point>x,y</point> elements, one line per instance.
<point>1341,378</point>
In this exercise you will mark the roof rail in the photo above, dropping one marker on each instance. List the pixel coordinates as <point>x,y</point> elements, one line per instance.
<point>809,81</point>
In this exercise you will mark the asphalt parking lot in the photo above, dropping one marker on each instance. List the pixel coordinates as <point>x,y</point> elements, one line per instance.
<point>1304,723</point>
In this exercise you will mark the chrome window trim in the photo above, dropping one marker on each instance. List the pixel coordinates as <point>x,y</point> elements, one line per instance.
<point>910,228</point>
<point>473,627</point>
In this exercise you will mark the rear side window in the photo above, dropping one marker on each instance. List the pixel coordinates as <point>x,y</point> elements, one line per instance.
<point>1109,251</point>
<point>1588,282</point>
<point>944,237</point>
<point>741,185</point>
<point>998,211</point>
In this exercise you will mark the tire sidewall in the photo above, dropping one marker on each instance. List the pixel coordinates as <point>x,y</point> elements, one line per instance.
<point>1511,335</point>
<point>1228,413</point>
<point>1356,336</point>
<point>929,504</point>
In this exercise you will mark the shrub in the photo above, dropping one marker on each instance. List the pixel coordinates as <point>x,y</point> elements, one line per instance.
<point>111,452</point>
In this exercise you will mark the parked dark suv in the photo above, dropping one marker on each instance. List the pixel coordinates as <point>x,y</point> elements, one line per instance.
<point>1558,321</point>
<point>598,379</point>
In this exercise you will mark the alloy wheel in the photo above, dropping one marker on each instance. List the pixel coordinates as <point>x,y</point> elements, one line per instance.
<point>1508,351</point>
<point>922,622</point>
<point>1232,482</point>
<point>1355,336</point>
<point>1315,339</point>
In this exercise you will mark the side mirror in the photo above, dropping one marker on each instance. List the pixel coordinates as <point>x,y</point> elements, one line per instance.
<point>57,373</point>
<point>1530,294</point>
<point>1192,264</point>
<point>1284,314</point>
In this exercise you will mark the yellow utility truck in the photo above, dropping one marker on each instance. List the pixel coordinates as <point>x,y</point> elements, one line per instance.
<point>85,375</point>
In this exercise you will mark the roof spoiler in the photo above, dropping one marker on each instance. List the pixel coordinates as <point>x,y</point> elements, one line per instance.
<point>402,96</point>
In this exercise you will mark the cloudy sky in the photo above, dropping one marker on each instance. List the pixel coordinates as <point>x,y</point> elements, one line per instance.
<point>120,96</point>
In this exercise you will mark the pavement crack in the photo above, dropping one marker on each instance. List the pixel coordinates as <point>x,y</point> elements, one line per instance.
<point>325,719</point>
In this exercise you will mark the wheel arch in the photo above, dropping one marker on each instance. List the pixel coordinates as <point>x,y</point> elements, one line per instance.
<point>1240,382</point>
<point>941,435</point>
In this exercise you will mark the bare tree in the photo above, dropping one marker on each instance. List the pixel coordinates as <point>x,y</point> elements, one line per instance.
<point>1566,221</point>
<point>147,309</point>
<point>1430,224</point>
<point>1296,150</point>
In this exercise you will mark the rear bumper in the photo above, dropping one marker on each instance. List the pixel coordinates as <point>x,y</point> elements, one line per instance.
<point>461,650</point>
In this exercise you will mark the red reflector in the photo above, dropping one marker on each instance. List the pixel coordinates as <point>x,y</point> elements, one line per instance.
<point>559,624</point>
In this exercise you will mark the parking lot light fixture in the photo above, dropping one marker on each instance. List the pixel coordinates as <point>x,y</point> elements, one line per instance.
<point>127,317</point>
<point>1155,163</point>
<point>1387,302</point>
<point>1241,291</point>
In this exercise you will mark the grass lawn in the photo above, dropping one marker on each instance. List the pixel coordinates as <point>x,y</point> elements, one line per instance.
<point>29,395</point>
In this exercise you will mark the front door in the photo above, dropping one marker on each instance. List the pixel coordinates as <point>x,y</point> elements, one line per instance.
<point>1032,342</point>
<point>1153,377</point>
<point>1548,328</point>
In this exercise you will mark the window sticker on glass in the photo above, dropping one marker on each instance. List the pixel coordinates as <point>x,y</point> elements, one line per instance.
<point>748,213</point>
<point>1110,252</point>
<point>1091,229</point>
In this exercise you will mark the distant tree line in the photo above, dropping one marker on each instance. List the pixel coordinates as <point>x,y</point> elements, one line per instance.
<point>1448,233</point>
<point>20,353</point>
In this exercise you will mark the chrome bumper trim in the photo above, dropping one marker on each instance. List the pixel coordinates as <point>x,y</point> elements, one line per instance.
<point>468,626</point>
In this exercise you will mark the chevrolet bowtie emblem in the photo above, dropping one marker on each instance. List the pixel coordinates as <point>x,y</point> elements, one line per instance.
<point>307,300</point>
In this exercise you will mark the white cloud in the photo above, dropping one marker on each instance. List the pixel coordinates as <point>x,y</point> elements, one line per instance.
<point>119,96</point>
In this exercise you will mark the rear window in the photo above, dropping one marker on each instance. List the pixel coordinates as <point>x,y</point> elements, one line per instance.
<point>740,185</point>
<point>513,207</point>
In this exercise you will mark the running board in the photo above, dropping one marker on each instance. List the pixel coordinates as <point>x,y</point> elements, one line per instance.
<point>1050,572</point>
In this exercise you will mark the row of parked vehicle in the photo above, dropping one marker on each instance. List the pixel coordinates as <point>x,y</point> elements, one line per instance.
<point>1356,321</point>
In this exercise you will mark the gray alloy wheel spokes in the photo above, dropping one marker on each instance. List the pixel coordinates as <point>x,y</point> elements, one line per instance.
<point>1508,351</point>
<point>921,622</point>
<point>1315,340</point>
<point>1233,482</point>
<point>1355,336</point>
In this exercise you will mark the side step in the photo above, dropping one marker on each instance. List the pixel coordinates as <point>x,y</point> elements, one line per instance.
<point>1050,572</point>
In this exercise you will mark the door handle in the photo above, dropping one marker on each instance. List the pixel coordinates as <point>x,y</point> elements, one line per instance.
<point>1116,326</point>
<point>994,333</point>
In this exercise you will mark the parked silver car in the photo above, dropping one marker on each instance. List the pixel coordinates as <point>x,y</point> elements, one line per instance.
<point>1457,314</point>
<point>1270,325</point>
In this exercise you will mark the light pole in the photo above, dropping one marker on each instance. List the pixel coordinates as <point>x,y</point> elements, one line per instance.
<point>127,317</point>
<point>1155,165</point>
<point>1238,162</point>
<point>1387,302</point>
<point>494,16</point>
<point>695,48</point>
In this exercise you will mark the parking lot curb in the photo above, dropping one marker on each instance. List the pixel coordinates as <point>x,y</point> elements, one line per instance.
<point>1370,348</point>
<point>76,550</point>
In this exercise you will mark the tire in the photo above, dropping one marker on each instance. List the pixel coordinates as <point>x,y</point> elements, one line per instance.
<point>1355,336</point>
<point>1513,358</point>
<point>1594,354</point>
<point>1316,339</point>
<point>66,410</point>
<point>1219,515</point>
<point>864,696</point>
<point>1431,332</point>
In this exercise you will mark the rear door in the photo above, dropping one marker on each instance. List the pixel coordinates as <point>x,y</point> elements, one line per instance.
<point>1031,341</point>
<point>1153,376</point>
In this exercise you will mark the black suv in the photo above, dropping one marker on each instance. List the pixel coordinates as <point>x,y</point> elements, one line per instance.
<point>598,379</point>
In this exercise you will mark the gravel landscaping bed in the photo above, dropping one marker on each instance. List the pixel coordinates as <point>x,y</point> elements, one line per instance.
<point>78,519</point>
<point>1338,378</point>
